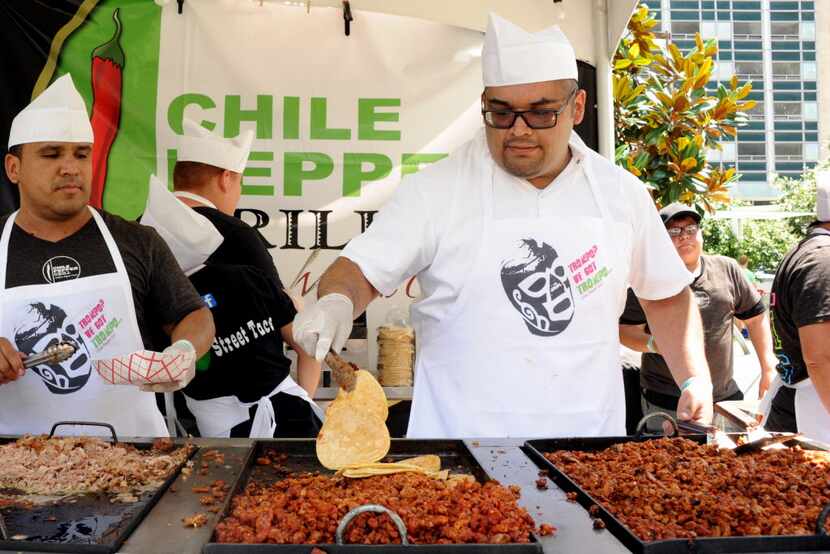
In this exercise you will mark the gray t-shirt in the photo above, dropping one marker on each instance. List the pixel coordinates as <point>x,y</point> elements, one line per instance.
<point>162,294</point>
<point>722,292</point>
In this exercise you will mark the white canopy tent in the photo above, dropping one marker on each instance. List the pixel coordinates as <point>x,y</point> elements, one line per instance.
<point>594,27</point>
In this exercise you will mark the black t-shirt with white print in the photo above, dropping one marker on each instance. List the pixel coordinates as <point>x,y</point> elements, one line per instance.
<point>246,358</point>
<point>162,294</point>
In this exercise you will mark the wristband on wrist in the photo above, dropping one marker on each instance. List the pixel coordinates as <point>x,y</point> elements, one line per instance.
<point>650,345</point>
<point>689,382</point>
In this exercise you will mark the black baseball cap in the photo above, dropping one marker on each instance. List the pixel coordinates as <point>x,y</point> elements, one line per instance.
<point>676,210</point>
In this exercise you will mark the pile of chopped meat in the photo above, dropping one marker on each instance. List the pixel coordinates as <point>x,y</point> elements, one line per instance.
<point>78,465</point>
<point>677,488</point>
<point>306,509</point>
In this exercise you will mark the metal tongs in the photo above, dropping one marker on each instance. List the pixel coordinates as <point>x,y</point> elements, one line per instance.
<point>4,533</point>
<point>713,434</point>
<point>344,373</point>
<point>52,355</point>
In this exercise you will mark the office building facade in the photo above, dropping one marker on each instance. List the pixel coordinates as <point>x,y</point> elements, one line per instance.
<point>776,45</point>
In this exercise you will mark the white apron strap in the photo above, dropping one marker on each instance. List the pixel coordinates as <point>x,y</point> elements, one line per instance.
<point>195,198</point>
<point>4,248</point>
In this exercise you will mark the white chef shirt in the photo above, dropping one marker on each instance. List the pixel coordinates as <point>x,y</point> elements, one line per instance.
<point>432,224</point>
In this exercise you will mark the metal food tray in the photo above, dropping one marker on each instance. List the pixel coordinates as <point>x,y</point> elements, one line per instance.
<point>302,457</point>
<point>88,524</point>
<point>535,450</point>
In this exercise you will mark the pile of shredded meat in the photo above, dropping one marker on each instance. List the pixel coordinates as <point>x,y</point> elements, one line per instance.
<point>676,488</point>
<point>77,465</point>
<point>306,509</point>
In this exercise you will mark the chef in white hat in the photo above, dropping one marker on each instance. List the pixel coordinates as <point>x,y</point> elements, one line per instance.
<point>243,386</point>
<point>523,241</point>
<point>799,398</point>
<point>208,178</point>
<point>69,273</point>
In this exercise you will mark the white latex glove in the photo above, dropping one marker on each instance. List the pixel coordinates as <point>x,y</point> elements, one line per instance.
<point>325,325</point>
<point>182,346</point>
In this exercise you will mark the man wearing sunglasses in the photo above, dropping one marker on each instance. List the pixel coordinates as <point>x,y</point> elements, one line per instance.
<point>723,293</point>
<point>524,242</point>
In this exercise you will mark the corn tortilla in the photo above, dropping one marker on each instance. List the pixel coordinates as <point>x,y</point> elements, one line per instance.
<point>350,436</point>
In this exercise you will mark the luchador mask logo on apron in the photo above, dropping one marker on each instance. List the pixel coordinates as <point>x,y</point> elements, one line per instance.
<point>539,289</point>
<point>43,325</point>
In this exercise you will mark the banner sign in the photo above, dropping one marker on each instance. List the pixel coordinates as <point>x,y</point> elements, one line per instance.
<point>338,120</point>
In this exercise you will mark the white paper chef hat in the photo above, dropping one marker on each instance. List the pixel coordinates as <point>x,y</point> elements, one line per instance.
<point>823,196</point>
<point>512,56</point>
<point>197,144</point>
<point>191,236</point>
<point>58,114</point>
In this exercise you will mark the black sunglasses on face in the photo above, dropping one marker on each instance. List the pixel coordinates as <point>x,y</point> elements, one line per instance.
<point>535,119</point>
<point>688,230</point>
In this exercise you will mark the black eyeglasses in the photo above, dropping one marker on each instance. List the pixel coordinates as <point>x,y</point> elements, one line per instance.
<point>535,119</point>
<point>688,230</point>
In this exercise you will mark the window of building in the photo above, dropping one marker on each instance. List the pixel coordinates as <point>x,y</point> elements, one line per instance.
<point>808,71</point>
<point>757,112</point>
<point>782,29</point>
<point>808,30</point>
<point>722,30</point>
<point>751,150</point>
<point>749,68</point>
<point>787,109</point>
<point>788,150</point>
<point>811,111</point>
<point>685,27</point>
<point>746,29</point>
<point>786,69</point>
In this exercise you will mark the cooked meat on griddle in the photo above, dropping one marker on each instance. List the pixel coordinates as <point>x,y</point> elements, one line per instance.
<point>677,488</point>
<point>78,465</point>
<point>305,509</point>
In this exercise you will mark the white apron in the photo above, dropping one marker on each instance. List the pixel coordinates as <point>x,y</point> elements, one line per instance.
<point>811,417</point>
<point>97,315</point>
<point>524,351</point>
<point>217,416</point>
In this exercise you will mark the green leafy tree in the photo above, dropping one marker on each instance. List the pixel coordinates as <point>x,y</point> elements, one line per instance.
<point>800,196</point>
<point>666,120</point>
<point>765,241</point>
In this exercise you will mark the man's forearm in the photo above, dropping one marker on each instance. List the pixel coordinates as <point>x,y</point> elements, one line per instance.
<point>677,329</point>
<point>345,277</point>
<point>308,373</point>
<point>634,337</point>
<point>816,353</point>
<point>761,337</point>
<point>196,327</point>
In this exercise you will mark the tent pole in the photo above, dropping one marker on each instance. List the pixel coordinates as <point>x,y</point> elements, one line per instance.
<point>605,100</point>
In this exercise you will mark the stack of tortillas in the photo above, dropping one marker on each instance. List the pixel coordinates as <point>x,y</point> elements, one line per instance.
<point>396,352</point>
<point>355,428</point>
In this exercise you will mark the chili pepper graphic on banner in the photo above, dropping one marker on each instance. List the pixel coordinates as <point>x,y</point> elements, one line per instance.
<point>107,76</point>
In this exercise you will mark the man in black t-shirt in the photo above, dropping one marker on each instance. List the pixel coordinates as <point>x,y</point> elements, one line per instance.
<point>253,313</point>
<point>722,292</point>
<point>247,360</point>
<point>801,319</point>
<point>96,281</point>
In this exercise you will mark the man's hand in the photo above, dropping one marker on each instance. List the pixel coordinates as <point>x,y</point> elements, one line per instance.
<point>185,350</point>
<point>325,325</point>
<point>695,401</point>
<point>11,362</point>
